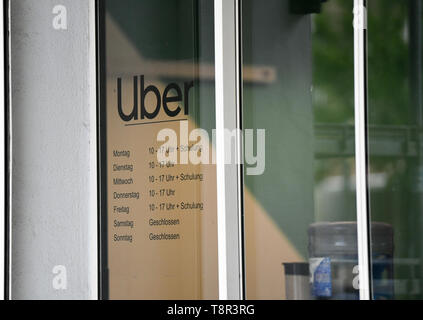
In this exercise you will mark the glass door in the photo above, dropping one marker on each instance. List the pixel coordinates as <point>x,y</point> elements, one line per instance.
<point>395,120</point>
<point>300,183</point>
<point>158,206</point>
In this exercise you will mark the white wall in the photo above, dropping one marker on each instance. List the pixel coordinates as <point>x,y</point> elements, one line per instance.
<point>53,150</point>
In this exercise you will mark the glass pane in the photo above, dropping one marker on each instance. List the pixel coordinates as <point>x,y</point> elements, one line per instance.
<point>159,226</point>
<point>300,217</point>
<point>395,118</point>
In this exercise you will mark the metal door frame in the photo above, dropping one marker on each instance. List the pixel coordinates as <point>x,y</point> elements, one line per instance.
<point>228,77</point>
<point>4,159</point>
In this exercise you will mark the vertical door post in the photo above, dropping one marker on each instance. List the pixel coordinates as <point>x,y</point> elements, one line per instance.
<point>3,160</point>
<point>228,148</point>
<point>361,139</point>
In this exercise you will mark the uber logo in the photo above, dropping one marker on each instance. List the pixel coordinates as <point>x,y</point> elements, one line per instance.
<point>172,93</point>
<point>60,280</point>
<point>60,20</point>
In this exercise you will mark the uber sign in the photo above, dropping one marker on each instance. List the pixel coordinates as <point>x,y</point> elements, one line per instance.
<point>172,93</point>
